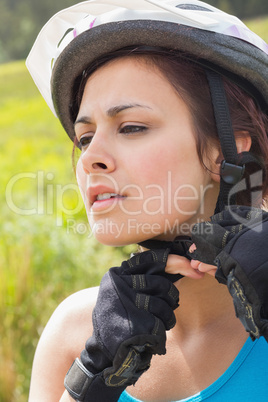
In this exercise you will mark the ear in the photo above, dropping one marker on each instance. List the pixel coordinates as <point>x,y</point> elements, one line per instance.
<point>243,141</point>
<point>243,144</point>
<point>216,159</point>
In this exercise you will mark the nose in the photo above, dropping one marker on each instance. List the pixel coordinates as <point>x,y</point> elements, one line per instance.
<point>97,158</point>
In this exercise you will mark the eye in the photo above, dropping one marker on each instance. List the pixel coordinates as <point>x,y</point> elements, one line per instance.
<point>84,141</point>
<point>132,129</point>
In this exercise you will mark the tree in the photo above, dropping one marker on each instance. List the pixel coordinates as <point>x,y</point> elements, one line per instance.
<point>20,22</point>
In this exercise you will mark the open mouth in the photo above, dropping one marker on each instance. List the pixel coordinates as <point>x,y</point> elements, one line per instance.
<point>101,195</point>
<point>107,196</point>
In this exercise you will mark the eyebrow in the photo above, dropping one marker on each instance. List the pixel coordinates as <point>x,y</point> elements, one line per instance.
<point>112,112</point>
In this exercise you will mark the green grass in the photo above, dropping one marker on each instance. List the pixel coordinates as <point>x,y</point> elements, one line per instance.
<point>41,260</point>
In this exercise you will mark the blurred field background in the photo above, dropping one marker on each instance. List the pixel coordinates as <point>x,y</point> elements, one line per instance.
<point>46,248</point>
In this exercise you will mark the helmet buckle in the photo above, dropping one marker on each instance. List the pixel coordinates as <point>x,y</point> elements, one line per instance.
<point>231,173</point>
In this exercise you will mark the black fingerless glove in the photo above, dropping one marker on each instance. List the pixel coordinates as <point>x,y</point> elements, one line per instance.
<point>236,240</point>
<point>133,311</point>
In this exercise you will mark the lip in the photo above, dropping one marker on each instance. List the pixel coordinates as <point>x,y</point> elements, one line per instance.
<point>94,191</point>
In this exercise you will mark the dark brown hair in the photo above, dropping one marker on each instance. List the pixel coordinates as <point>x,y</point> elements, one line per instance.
<point>188,78</point>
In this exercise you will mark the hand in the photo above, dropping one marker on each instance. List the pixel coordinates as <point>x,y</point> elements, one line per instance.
<point>183,266</point>
<point>236,241</point>
<point>133,311</point>
<point>178,263</point>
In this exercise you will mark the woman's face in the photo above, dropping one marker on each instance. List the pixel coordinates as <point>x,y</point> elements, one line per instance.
<point>139,173</point>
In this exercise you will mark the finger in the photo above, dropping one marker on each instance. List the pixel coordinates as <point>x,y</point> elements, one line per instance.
<point>192,248</point>
<point>207,269</point>
<point>204,268</point>
<point>159,308</point>
<point>181,265</point>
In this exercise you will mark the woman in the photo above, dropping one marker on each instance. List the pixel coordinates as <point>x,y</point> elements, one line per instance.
<point>167,102</point>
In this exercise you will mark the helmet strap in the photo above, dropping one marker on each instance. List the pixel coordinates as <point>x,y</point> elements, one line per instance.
<point>232,167</point>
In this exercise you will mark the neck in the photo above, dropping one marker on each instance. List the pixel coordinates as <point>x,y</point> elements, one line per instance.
<point>204,304</point>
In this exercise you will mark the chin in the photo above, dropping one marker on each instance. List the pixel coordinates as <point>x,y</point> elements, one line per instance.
<point>113,242</point>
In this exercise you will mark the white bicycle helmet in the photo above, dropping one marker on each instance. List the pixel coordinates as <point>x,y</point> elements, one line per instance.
<point>77,36</point>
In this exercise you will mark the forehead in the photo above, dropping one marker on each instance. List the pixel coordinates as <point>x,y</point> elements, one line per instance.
<point>137,64</point>
<point>136,76</point>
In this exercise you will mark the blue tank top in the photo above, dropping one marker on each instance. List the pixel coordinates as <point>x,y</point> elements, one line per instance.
<point>246,380</point>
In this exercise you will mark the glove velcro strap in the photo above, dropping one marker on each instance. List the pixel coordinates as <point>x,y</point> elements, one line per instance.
<point>84,386</point>
<point>77,380</point>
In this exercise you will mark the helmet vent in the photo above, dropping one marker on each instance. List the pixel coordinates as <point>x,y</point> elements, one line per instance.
<point>192,7</point>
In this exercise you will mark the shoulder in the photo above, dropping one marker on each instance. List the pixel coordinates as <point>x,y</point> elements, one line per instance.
<point>72,320</point>
<point>74,310</point>
<point>61,342</point>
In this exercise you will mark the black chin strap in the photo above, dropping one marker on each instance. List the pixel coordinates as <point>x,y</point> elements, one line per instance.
<point>233,166</point>
<point>178,246</point>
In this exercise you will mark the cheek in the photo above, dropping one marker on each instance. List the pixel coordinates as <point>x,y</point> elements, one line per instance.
<point>163,160</point>
<point>177,177</point>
